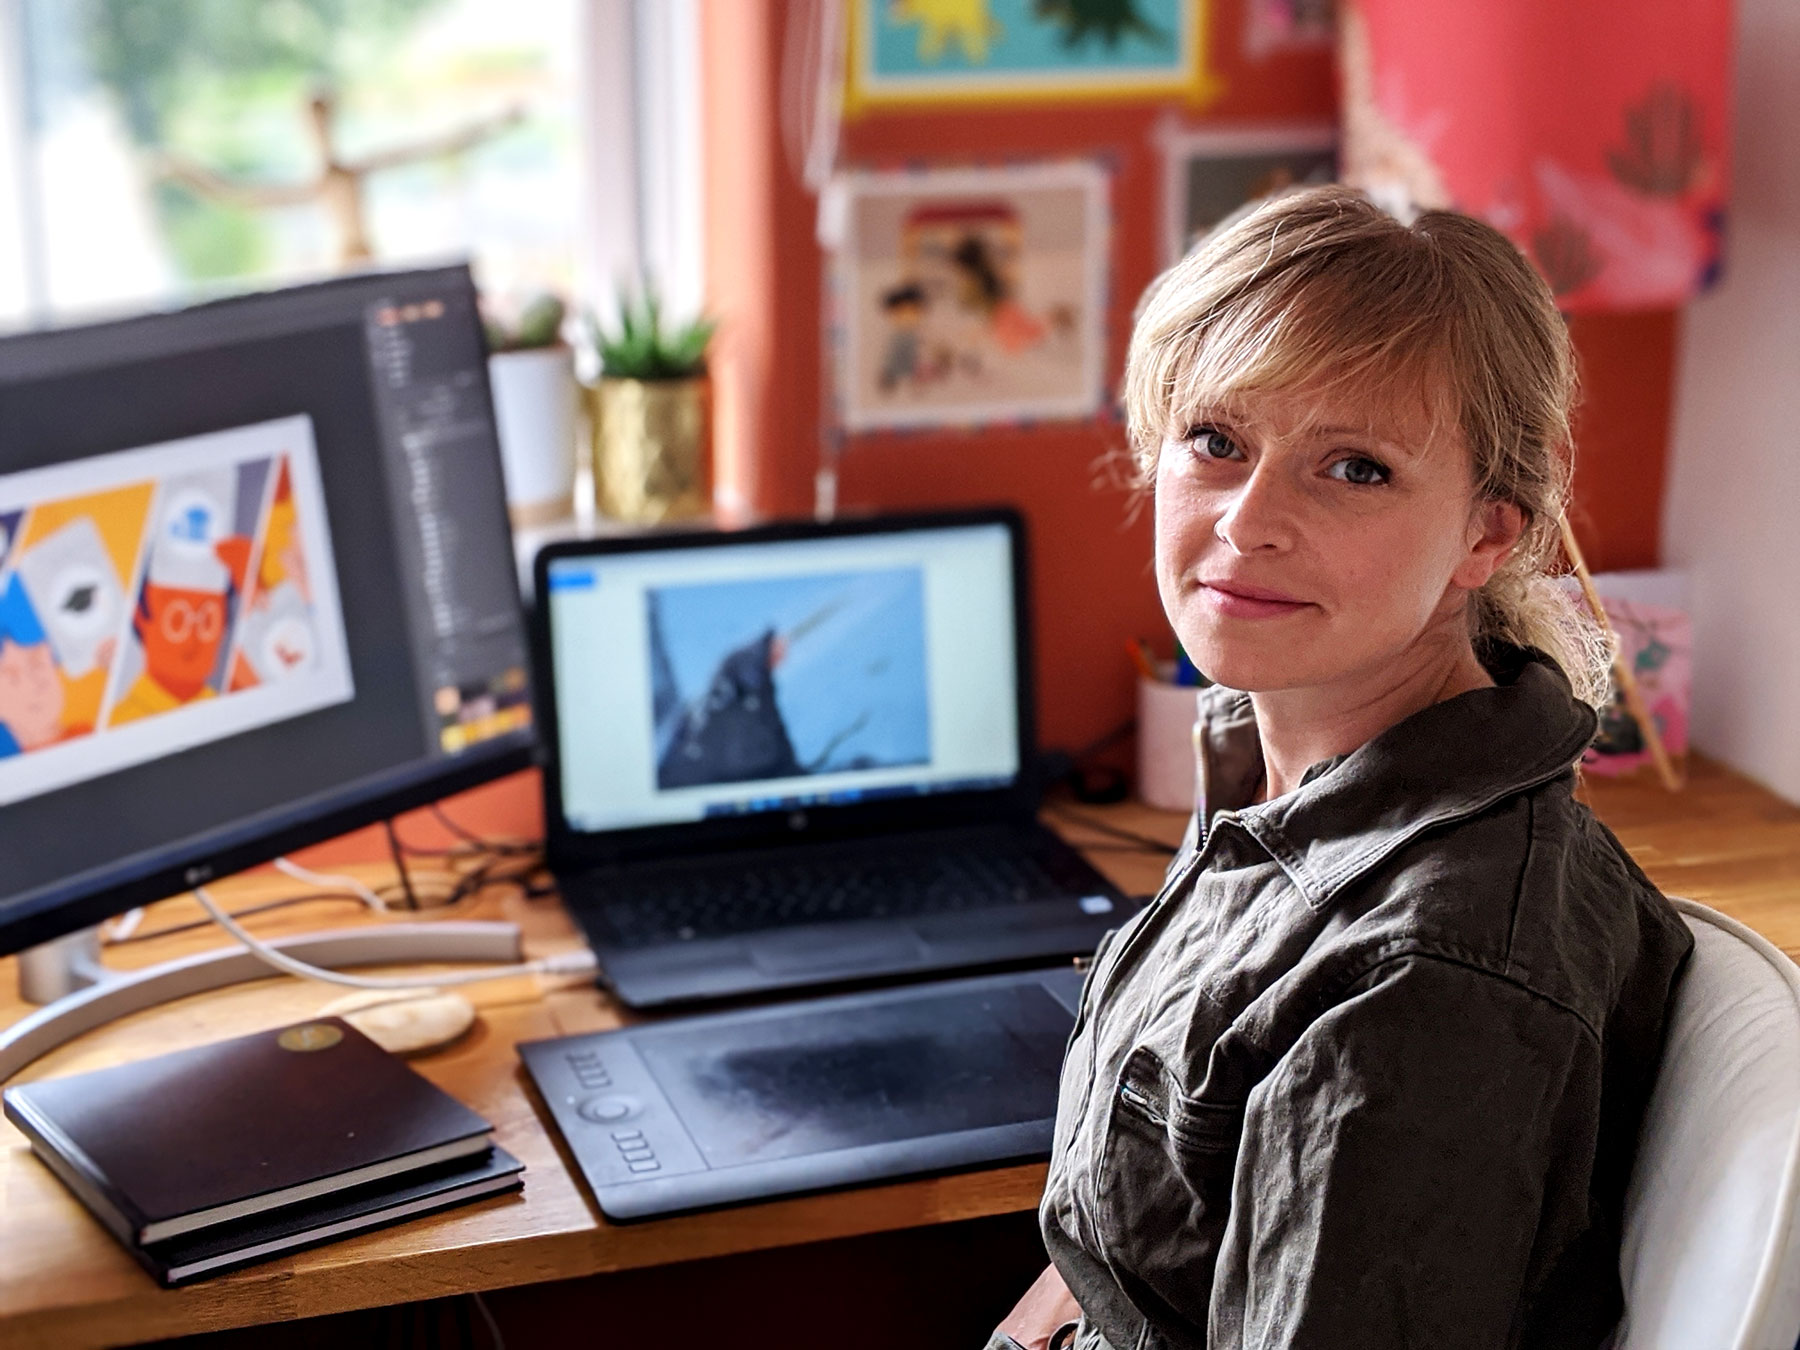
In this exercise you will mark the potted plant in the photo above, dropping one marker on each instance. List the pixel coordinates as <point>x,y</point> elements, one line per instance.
<point>652,414</point>
<point>536,407</point>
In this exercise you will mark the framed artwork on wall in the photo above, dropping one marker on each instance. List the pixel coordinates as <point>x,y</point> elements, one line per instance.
<point>922,52</point>
<point>967,296</point>
<point>1277,26</point>
<point>1209,174</point>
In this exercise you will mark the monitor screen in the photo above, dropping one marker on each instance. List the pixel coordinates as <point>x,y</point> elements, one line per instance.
<point>729,678</point>
<point>256,585</point>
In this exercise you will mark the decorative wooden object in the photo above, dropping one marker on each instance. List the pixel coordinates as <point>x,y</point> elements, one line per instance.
<point>1628,685</point>
<point>339,184</point>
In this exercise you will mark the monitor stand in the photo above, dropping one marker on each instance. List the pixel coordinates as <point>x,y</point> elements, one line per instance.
<point>79,993</point>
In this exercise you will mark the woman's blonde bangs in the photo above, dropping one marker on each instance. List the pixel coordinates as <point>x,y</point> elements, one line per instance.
<point>1243,313</point>
<point>1318,337</point>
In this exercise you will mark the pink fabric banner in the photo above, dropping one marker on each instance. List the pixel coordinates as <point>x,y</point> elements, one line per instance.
<point>1596,134</point>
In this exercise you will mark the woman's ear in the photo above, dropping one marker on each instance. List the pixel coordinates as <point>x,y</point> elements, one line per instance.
<point>1494,531</point>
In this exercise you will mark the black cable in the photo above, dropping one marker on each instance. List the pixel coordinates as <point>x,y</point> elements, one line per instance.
<point>412,900</point>
<point>1145,841</point>
<point>1095,784</point>
<point>462,832</point>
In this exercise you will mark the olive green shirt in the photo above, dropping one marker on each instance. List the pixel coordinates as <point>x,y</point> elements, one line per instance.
<point>1369,1071</point>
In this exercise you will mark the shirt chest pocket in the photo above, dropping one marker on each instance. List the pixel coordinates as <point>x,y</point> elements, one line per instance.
<point>1162,1192</point>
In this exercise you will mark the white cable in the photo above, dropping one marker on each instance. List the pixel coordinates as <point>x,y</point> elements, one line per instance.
<point>488,1317</point>
<point>568,963</point>
<point>125,925</point>
<point>333,881</point>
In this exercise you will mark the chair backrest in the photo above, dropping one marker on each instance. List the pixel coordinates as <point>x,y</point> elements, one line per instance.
<point>1711,1251</point>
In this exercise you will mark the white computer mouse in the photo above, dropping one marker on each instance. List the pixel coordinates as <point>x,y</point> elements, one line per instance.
<point>405,1021</point>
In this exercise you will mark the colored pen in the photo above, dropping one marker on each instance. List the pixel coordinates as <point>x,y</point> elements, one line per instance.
<point>1185,671</point>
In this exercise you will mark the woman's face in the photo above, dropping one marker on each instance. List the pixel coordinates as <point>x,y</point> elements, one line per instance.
<point>1304,540</point>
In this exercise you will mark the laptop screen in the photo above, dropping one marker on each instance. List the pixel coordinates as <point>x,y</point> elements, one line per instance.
<point>724,679</point>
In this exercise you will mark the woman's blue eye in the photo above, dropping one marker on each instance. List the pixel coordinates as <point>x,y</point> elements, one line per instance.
<point>1211,443</point>
<point>1360,471</point>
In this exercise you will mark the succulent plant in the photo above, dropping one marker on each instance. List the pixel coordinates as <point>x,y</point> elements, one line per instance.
<point>644,346</point>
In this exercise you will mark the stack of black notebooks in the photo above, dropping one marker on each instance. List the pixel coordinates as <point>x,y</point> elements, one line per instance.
<point>225,1154</point>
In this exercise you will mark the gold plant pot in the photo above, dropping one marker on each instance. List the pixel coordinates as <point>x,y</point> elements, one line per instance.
<point>653,448</point>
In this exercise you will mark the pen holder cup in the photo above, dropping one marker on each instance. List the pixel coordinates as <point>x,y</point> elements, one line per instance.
<point>1166,767</point>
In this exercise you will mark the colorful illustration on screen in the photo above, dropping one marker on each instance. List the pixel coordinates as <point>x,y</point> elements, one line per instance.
<point>64,606</point>
<point>185,612</point>
<point>158,598</point>
<point>469,714</point>
<point>770,679</point>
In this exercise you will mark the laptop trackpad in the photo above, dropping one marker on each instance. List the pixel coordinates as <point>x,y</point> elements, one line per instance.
<point>821,949</point>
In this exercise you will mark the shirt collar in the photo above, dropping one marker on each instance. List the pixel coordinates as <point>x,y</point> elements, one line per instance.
<point>1443,763</point>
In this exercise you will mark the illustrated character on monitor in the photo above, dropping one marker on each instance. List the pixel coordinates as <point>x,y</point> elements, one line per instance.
<point>31,689</point>
<point>75,593</point>
<point>184,611</point>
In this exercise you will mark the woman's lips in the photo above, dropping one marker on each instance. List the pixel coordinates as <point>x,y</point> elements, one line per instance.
<point>1240,601</point>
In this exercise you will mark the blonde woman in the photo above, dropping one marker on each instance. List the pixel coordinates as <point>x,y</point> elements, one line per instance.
<point>1369,1071</point>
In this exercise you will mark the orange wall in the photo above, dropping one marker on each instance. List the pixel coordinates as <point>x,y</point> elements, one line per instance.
<point>1093,587</point>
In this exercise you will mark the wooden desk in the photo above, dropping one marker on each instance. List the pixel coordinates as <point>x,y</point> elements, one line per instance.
<point>65,1283</point>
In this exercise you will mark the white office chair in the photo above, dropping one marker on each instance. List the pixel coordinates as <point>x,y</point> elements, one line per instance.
<point>1711,1252</point>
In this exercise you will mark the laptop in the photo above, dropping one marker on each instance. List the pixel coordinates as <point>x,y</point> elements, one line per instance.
<point>801,755</point>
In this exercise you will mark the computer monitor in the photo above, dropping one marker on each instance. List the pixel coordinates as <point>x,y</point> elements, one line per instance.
<point>256,587</point>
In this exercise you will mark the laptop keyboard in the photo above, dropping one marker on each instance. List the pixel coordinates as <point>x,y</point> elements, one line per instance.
<point>745,896</point>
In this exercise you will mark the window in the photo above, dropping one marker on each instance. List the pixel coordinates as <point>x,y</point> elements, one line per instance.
<point>159,151</point>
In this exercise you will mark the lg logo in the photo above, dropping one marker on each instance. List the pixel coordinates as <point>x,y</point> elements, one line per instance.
<point>797,820</point>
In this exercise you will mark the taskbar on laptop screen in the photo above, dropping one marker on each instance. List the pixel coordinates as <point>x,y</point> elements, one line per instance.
<point>734,679</point>
<point>850,796</point>
<point>254,569</point>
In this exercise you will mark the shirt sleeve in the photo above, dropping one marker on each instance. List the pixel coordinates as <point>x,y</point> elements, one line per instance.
<point>1398,1165</point>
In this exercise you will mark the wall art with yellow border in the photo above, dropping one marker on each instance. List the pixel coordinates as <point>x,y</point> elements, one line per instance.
<point>925,52</point>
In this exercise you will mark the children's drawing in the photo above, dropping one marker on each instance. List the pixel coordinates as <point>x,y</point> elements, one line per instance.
<point>1658,641</point>
<point>972,295</point>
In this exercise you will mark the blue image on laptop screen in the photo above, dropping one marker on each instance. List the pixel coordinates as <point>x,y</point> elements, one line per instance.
<point>694,682</point>
<point>779,677</point>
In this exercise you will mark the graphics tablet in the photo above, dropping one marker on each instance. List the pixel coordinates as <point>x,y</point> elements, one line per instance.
<point>692,1112</point>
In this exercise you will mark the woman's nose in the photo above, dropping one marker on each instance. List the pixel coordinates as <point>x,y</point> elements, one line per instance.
<point>1259,514</point>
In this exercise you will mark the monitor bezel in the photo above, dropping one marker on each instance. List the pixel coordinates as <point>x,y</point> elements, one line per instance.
<point>568,849</point>
<point>88,898</point>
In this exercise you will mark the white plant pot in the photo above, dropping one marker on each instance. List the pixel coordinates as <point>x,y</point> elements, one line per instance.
<point>536,404</point>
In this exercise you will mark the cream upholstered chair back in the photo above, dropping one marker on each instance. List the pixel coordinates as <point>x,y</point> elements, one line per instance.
<point>1711,1251</point>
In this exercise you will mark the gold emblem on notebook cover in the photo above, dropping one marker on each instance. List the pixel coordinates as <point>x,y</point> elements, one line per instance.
<point>310,1036</point>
